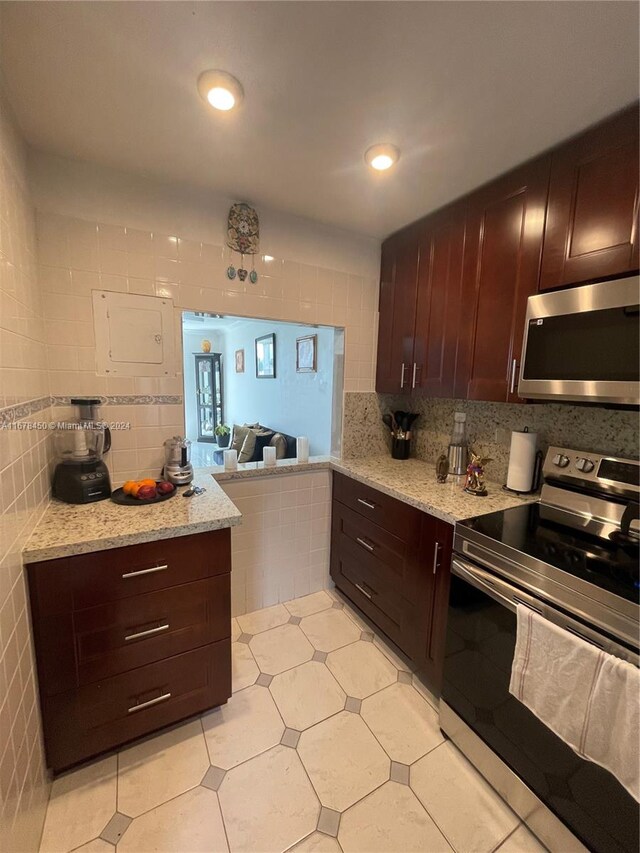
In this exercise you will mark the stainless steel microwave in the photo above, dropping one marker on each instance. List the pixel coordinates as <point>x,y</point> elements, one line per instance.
<point>583,344</point>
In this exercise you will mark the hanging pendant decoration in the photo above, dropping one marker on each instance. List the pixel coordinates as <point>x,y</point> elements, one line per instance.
<point>243,236</point>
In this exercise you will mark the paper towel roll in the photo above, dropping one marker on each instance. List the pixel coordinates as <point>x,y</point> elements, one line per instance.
<point>522,460</point>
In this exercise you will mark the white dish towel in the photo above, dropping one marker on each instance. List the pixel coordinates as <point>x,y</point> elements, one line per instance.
<point>589,698</point>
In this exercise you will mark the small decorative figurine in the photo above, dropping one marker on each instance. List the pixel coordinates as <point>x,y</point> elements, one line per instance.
<point>442,468</point>
<point>474,483</point>
<point>231,272</point>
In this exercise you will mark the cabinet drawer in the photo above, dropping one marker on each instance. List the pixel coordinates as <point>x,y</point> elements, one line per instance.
<point>387,556</point>
<point>122,635</point>
<point>399,518</point>
<point>87,580</point>
<point>101,716</point>
<point>393,614</point>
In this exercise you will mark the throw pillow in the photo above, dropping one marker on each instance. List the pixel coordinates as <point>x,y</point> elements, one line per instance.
<point>248,446</point>
<point>280,443</point>
<point>263,439</point>
<point>253,426</point>
<point>238,436</point>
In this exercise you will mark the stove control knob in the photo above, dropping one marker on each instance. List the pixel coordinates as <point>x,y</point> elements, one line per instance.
<point>585,465</point>
<point>560,460</point>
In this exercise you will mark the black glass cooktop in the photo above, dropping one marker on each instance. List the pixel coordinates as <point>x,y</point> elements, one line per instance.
<point>598,561</point>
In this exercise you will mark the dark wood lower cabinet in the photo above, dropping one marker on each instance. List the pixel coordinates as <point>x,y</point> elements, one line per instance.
<point>399,579</point>
<point>130,640</point>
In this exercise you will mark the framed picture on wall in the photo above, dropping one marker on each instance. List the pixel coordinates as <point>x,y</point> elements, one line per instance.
<point>266,357</point>
<point>239,361</point>
<point>307,354</point>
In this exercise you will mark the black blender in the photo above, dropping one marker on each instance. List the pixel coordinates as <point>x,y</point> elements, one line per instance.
<point>80,475</point>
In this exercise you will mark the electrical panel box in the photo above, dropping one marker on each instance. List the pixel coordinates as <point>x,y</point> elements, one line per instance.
<point>134,334</point>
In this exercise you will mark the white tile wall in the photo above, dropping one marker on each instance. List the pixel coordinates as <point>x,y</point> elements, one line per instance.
<point>281,550</point>
<point>24,488</point>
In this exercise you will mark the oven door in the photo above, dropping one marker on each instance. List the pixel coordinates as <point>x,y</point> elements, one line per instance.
<point>481,635</point>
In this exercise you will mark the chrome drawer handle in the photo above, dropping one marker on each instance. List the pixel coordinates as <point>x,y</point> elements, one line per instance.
<point>363,591</point>
<point>144,572</point>
<point>366,503</point>
<point>147,633</point>
<point>364,544</point>
<point>436,554</point>
<point>148,704</point>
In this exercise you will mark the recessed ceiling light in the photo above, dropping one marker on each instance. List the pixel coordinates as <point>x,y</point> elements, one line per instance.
<point>220,89</point>
<point>382,156</point>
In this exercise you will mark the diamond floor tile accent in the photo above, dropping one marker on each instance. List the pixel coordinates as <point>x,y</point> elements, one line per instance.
<point>366,636</point>
<point>404,677</point>
<point>399,773</point>
<point>317,842</point>
<point>244,668</point>
<point>190,822</point>
<point>212,779</point>
<point>263,620</point>
<point>361,669</point>
<point>353,705</point>
<point>464,806</point>
<point>309,604</point>
<point>268,802</point>
<point>307,694</point>
<point>290,738</point>
<point>390,819</point>
<point>319,656</point>
<point>329,821</point>
<point>248,724</point>
<point>244,638</point>
<point>329,630</point>
<point>81,804</point>
<point>280,649</point>
<point>264,680</point>
<point>295,620</point>
<point>153,771</point>
<point>116,828</point>
<point>406,726</point>
<point>343,759</point>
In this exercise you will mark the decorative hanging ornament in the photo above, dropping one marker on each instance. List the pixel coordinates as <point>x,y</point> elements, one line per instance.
<point>243,236</point>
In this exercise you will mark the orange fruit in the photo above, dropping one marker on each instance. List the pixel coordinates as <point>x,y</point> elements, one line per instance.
<point>147,482</point>
<point>128,487</point>
<point>133,491</point>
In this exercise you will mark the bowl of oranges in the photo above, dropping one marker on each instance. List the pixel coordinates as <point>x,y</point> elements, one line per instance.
<point>146,491</point>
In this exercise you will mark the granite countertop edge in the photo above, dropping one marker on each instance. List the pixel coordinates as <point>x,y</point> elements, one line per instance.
<point>406,480</point>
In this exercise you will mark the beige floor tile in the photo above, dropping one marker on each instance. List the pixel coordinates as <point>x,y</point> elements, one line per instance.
<point>244,668</point>
<point>281,648</point>
<point>522,841</point>
<point>95,846</point>
<point>390,819</point>
<point>307,694</point>
<point>317,842</point>
<point>464,806</point>
<point>361,669</point>
<point>268,803</point>
<point>309,604</point>
<point>154,771</point>
<point>80,806</point>
<point>247,725</point>
<point>343,759</point>
<point>329,630</point>
<point>236,630</point>
<point>191,822</point>
<point>263,620</point>
<point>406,725</point>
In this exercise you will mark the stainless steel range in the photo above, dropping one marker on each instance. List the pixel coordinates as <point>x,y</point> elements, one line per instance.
<point>573,557</point>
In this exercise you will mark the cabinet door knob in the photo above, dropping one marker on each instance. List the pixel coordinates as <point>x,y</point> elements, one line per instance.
<point>413,378</point>
<point>514,370</point>
<point>148,704</point>
<point>368,504</point>
<point>363,590</point>
<point>148,633</point>
<point>144,571</point>
<point>364,544</point>
<point>402,375</point>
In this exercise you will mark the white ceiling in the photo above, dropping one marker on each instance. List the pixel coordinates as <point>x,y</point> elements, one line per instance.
<point>465,89</point>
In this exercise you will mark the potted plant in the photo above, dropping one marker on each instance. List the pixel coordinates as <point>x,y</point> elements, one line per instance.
<point>223,435</point>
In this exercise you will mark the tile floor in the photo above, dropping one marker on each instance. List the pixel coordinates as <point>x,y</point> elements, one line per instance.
<point>329,743</point>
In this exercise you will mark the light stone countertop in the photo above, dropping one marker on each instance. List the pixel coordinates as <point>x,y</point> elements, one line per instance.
<point>68,529</point>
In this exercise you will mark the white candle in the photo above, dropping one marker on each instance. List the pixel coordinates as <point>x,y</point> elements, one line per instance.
<point>302,446</point>
<point>269,455</point>
<point>231,460</point>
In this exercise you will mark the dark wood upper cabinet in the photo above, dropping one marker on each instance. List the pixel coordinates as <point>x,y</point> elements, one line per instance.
<point>592,218</point>
<point>398,287</point>
<point>439,301</point>
<point>505,224</point>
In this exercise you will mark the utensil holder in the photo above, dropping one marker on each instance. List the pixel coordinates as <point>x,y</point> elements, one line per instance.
<point>400,448</point>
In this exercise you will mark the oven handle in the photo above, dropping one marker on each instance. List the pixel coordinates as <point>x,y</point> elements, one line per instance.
<point>510,596</point>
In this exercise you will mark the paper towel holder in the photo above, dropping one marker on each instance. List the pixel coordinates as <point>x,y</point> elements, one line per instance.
<point>537,476</point>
